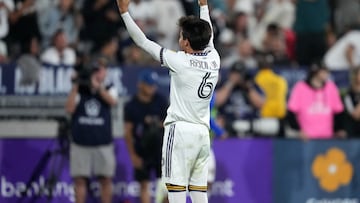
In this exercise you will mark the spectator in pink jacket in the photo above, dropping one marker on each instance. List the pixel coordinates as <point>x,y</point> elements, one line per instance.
<point>315,105</point>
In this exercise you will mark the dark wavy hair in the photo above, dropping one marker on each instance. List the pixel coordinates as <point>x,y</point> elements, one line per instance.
<point>315,68</point>
<point>196,30</point>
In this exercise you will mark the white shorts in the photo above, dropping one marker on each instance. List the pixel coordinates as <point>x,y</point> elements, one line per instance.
<point>212,167</point>
<point>185,154</point>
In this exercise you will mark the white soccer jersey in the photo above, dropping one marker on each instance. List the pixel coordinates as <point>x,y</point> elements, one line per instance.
<point>193,76</point>
<point>193,79</point>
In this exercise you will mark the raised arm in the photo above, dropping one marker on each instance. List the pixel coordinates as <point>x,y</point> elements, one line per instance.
<point>135,32</point>
<point>204,14</point>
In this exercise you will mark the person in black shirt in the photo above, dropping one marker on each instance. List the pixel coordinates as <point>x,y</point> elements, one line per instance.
<point>91,150</point>
<point>351,101</point>
<point>144,116</point>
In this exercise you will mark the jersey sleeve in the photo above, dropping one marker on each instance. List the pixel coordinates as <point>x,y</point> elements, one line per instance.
<point>139,37</point>
<point>204,14</point>
<point>172,59</point>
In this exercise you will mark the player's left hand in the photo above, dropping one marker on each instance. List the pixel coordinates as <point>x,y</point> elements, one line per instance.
<point>123,5</point>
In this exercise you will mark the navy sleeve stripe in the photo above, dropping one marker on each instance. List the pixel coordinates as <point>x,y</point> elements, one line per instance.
<point>162,57</point>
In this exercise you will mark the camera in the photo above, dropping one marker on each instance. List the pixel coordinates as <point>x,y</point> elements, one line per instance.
<point>83,79</point>
<point>85,69</point>
<point>83,76</point>
<point>84,72</point>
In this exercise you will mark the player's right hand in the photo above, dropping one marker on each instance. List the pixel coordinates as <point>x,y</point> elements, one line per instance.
<point>202,2</point>
<point>123,5</point>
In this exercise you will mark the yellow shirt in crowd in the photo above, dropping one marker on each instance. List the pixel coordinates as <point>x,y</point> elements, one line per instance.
<point>275,89</point>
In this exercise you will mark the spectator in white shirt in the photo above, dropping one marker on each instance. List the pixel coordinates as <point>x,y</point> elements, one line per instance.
<point>345,53</point>
<point>60,53</point>
<point>61,16</point>
<point>143,15</point>
<point>6,6</point>
<point>280,12</point>
<point>244,52</point>
<point>168,31</point>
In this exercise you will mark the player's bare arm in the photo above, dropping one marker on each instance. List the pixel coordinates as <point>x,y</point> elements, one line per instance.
<point>204,14</point>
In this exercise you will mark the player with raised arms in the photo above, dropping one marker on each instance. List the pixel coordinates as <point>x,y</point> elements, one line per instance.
<point>194,73</point>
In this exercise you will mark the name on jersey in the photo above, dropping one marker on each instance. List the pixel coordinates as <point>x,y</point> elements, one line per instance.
<point>203,64</point>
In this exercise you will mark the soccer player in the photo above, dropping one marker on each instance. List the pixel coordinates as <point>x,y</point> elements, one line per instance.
<point>194,73</point>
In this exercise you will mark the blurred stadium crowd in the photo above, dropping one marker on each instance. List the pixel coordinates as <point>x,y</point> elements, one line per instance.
<point>251,36</point>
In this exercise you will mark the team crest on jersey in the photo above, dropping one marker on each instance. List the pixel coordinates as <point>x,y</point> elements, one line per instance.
<point>92,108</point>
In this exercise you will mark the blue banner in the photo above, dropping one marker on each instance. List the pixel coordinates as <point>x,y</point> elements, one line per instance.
<point>316,171</point>
<point>53,80</point>
<point>56,80</point>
